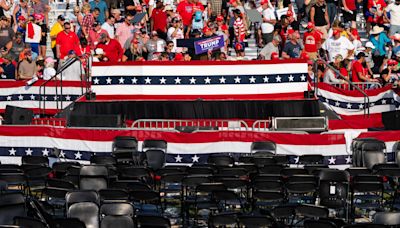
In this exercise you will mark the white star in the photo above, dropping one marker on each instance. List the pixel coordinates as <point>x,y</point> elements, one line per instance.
<point>96,81</point>
<point>252,79</point>
<point>163,80</point>
<point>303,77</point>
<point>62,154</point>
<point>207,80</point>
<point>44,98</point>
<point>383,101</point>
<point>296,160</point>
<point>278,79</point>
<point>348,105</point>
<point>32,97</point>
<point>45,152</point>
<point>78,156</point>
<point>195,158</point>
<point>68,98</point>
<point>360,106</point>
<point>20,97</point>
<point>9,98</point>
<point>222,80</point>
<point>337,104</point>
<point>291,78</point>
<point>12,151</point>
<point>134,80</point>
<point>147,80</point>
<point>371,104</point>
<point>177,80</point>
<point>121,80</point>
<point>55,98</point>
<point>192,80</point>
<point>266,79</point>
<point>28,152</point>
<point>327,100</point>
<point>108,80</point>
<point>348,160</point>
<point>332,161</point>
<point>237,79</point>
<point>178,158</point>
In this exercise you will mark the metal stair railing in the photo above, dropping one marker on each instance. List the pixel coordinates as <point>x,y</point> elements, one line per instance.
<point>352,84</point>
<point>85,87</point>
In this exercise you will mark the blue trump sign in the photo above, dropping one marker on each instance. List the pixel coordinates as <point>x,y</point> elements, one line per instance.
<point>209,44</point>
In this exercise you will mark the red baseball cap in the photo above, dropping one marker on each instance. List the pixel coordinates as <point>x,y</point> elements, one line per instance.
<point>310,25</point>
<point>134,41</point>
<point>274,55</point>
<point>264,2</point>
<point>21,18</point>
<point>396,37</point>
<point>290,31</point>
<point>336,32</point>
<point>232,1</point>
<point>206,29</point>
<point>178,57</point>
<point>289,13</point>
<point>304,55</point>
<point>220,18</point>
<point>392,62</point>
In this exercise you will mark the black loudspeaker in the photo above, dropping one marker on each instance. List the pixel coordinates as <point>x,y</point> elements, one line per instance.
<point>17,115</point>
<point>76,120</point>
<point>391,120</point>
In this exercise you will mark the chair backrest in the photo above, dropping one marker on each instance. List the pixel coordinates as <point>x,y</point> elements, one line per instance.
<point>68,223</point>
<point>93,170</point>
<point>333,188</point>
<point>371,158</point>
<point>256,221</point>
<point>112,221</point>
<point>87,212</point>
<point>11,205</point>
<point>153,221</point>
<point>103,160</point>
<point>113,195</point>
<point>387,218</point>
<point>78,196</point>
<point>125,142</point>
<point>310,223</point>
<point>220,159</point>
<point>263,146</point>
<point>151,144</point>
<point>35,160</point>
<point>29,222</point>
<point>155,159</point>
<point>117,209</point>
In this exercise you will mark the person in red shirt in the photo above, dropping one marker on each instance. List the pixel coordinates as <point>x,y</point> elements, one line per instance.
<point>113,51</point>
<point>359,74</point>
<point>350,11</point>
<point>375,12</point>
<point>66,41</point>
<point>186,9</point>
<point>312,41</point>
<point>159,20</point>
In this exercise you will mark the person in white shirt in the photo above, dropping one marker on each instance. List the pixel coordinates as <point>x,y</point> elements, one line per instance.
<point>175,32</point>
<point>109,26</point>
<point>269,20</point>
<point>394,10</point>
<point>336,45</point>
<point>33,35</point>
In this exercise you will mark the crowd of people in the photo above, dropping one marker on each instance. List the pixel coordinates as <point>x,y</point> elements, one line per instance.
<point>165,30</point>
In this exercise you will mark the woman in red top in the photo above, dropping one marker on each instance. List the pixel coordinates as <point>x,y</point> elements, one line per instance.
<point>375,12</point>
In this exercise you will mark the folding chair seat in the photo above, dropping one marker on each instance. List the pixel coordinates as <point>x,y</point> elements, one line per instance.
<point>171,169</point>
<point>311,223</point>
<point>271,169</point>
<point>286,172</point>
<point>281,159</point>
<point>264,147</point>
<point>29,222</point>
<point>103,160</point>
<point>301,188</point>
<point>250,168</point>
<point>261,161</point>
<point>313,167</point>
<point>220,160</point>
<point>14,180</point>
<point>311,211</point>
<point>152,221</point>
<point>55,192</point>
<point>354,171</point>
<point>93,177</point>
<point>267,185</point>
<point>267,199</point>
<point>246,159</point>
<point>147,202</point>
<point>266,177</point>
<point>12,205</point>
<point>200,170</point>
<point>231,172</point>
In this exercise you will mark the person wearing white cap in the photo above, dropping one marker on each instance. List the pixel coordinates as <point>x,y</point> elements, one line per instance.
<point>380,40</point>
<point>368,56</point>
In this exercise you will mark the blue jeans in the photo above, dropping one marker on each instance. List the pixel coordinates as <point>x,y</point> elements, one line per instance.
<point>332,11</point>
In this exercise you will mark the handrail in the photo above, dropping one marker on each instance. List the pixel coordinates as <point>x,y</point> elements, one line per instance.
<point>366,97</point>
<point>363,85</point>
<point>59,72</point>
<point>190,125</point>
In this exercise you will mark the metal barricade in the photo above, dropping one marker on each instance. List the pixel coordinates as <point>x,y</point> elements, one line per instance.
<point>361,85</point>
<point>190,125</point>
